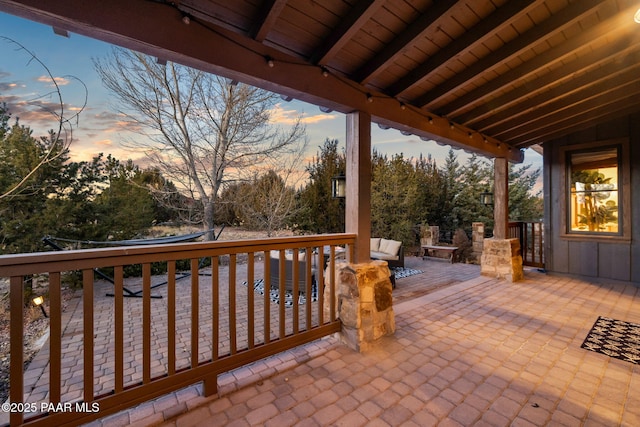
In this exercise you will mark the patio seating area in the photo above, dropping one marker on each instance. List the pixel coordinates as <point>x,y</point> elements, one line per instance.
<point>468,350</point>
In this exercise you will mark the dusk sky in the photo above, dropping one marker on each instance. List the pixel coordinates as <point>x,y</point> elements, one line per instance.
<point>25,87</point>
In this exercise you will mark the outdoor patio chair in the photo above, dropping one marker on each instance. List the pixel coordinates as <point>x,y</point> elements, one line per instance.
<point>274,276</point>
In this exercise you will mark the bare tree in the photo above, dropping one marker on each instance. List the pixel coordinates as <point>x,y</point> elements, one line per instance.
<point>62,135</point>
<point>268,201</point>
<point>201,130</point>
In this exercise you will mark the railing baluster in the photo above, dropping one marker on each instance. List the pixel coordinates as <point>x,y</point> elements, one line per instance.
<point>55,337</point>
<point>295,291</point>
<point>146,323</point>
<point>171,317</point>
<point>87,308</point>
<point>250,300</point>
<point>233,339</point>
<point>215,302</point>
<point>267,303</point>
<point>16,378</point>
<point>118,289</point>
<point>320,285</point>
<point>530,240</point>
<point>309,283</point>
<point>195,313</point>
<point>332,283</point>
<point>282,275</point>
<point>541,243</point>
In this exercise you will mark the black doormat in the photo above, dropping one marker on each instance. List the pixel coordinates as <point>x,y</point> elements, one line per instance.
<point>615,338</point>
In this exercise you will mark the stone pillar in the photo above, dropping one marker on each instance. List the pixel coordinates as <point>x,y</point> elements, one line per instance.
<point>477,238</point>
<point>429,235</point>
<point>364,303</point>
<point>502,259</point>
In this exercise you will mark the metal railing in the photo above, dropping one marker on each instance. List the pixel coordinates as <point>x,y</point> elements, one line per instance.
<point>125,351</point>
<point>531,241</point>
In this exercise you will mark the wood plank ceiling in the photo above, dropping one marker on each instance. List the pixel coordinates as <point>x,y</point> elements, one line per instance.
<point>490,76</point>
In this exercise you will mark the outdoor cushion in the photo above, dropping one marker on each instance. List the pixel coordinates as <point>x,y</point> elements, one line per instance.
<point>390,247</point>
<point>375,244</point>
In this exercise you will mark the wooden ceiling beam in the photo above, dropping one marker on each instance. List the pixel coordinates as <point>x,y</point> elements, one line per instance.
<point>406,38</point>
<point>574,113</point>
<point>584,64</point>
<point>266,20</point>
<point>581,122</point>
<point>204,46</point>
<point>349,26</point>
<point>498,19</point>
<point>534,36</point>
<point>578,87</point>
<point>603,90</point>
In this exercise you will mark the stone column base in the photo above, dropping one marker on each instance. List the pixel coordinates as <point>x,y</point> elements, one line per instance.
<point>502,259</point>
<point>365,304</point>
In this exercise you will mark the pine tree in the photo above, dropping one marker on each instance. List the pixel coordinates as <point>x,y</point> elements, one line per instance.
<point>317,211</point>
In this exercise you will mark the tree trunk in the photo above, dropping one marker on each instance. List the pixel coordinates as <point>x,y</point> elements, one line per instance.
<point>208,222</point>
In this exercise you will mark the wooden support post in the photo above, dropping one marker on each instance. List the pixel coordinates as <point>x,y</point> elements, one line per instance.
<point>210,385</point>
<point>501,198</point>
<point>358,192</point>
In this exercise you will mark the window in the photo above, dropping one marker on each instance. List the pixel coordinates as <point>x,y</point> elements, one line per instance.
<point>594,205</point>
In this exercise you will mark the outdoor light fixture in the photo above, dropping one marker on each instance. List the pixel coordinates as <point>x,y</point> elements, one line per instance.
<point>269,61</point>
<point>486,198</point>
<point>339,187</point>
<point>38,301</point>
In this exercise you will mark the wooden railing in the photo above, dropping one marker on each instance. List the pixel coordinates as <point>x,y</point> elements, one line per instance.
<point>531,237</point>
<point>184,328</point>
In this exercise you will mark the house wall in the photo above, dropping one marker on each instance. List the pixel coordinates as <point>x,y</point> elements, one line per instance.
<point>619,260</point>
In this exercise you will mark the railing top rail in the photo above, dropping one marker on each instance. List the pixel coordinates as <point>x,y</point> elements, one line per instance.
<point>40,262</point>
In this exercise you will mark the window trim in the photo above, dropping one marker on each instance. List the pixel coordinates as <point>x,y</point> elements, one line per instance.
<point>624,192</point>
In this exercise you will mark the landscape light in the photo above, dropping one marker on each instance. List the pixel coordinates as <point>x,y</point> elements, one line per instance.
<point>38,301</point>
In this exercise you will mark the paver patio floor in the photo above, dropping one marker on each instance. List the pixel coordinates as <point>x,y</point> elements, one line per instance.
<point>483,352</point>
<point>468,350</point>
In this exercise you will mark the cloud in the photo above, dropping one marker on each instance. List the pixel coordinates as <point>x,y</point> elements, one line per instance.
<point>289,117</point>
<point>6,85</point>
<point>60,81</point>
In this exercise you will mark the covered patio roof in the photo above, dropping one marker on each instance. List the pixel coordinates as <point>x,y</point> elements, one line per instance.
<point>492,77</point>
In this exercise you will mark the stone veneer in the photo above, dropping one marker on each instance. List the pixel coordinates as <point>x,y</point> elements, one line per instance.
<point>477,238</point>
<point>502,259</point>
<point>364,303</point>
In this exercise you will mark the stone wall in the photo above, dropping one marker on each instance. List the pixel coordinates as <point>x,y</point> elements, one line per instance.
<point>364,302</point>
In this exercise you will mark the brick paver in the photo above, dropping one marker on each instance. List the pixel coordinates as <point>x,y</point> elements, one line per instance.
<point>473,352</point>
<point>507,354</point>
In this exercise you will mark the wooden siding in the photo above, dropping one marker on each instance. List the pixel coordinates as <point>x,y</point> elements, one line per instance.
<point>586,256</point>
